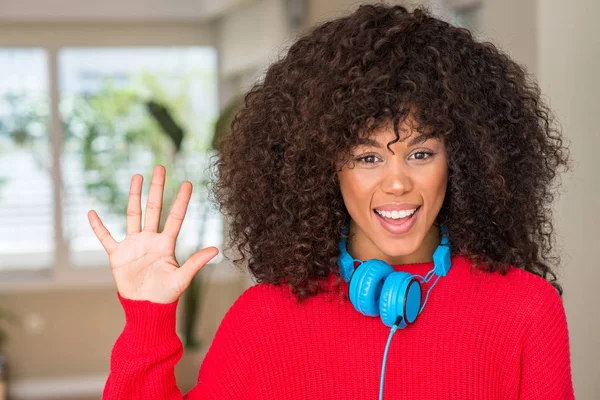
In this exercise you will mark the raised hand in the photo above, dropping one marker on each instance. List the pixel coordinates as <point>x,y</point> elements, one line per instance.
<point>143,264</point>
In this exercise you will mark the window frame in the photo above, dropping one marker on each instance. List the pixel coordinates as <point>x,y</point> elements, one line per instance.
<point>52,37</point>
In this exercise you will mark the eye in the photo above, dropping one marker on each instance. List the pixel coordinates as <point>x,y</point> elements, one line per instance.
<point>367,159</point>
<point>422,155</point>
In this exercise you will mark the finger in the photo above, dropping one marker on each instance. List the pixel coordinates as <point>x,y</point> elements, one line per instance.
<point>178,210</point>
<point>134,205</point>
<point>155,197</point>
<point>193,264</point>
<point>107,241</point>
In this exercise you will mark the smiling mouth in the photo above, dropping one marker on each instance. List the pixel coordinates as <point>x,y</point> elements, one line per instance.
<point>398,225</point>
<point>396,217</point>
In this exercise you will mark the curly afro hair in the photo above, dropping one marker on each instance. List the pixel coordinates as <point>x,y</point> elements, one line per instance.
<point>276,169</point>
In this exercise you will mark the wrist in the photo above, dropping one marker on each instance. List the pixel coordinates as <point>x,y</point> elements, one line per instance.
<point>149,325</point>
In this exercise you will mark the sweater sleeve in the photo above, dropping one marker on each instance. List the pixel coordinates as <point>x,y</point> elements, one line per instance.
<point>545,360</point>
<point>142,363</point>
<point>229,369</point>
<point>144,356</point>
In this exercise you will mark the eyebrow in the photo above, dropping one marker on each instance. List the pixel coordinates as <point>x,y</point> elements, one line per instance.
<point>414,141</point>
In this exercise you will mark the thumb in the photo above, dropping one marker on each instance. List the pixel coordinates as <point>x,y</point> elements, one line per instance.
<point>193,264</point>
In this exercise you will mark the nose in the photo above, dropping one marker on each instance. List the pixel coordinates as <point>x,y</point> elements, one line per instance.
<point>397,180</point>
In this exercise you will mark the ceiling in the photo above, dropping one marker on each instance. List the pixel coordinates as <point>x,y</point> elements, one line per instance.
<point>114,10</point>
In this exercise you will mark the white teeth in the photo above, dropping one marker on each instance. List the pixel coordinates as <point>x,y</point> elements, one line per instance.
<point>396,214</point>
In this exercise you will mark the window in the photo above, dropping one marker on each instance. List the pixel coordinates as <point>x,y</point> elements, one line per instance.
<point>114,108</point>
<point>26,193</point>
<point>110,135</point>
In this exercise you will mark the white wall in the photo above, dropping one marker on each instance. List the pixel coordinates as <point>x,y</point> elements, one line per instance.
<point>568,65</point>
<point>252,36</point>
<point>511,24</point>
<point>320,11</point>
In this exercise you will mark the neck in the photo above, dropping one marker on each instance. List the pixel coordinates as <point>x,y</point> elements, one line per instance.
<point>362,248</point>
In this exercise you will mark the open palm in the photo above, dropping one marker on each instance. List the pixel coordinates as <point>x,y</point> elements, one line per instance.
<point>143,264</point>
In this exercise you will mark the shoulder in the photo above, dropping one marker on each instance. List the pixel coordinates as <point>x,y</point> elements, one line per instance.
<point>527,287</point>
<point>535,295</point>
<point>263,295</point>
<point>259,303</point>
<point>516,281</point>
<point>269,306</point>
<point>518,292</point>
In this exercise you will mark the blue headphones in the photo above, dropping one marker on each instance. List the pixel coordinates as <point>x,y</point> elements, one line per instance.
<point>376,289</point>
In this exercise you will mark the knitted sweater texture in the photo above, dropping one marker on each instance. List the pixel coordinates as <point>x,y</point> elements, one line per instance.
<point>481,336</point>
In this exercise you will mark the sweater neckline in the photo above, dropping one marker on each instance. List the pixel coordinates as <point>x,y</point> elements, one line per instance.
<point>424,267</point>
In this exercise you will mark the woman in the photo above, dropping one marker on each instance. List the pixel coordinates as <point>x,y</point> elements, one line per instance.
<point>388,167</point>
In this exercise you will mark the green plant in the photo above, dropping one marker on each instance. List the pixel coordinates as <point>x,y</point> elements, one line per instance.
<point>223,124</point>
<point>191,297</point>
<point>196,290</point>
<point>23,125</point>
<point>115,135</point>
<point>5,316</point>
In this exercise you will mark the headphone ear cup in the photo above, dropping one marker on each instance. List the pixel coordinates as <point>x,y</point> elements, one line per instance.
<point>365,286</point>
<point>400,296</point>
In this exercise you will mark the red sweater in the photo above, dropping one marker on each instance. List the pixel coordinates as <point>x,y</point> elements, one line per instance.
<point>480,336</point>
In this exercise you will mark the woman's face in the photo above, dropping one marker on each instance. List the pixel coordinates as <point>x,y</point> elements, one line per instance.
<point>394,199</point>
